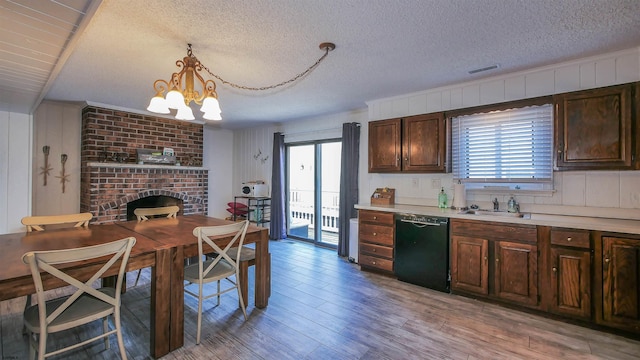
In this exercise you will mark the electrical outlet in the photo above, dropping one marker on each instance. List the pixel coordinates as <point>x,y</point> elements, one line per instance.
<point>415,183</point>
<point>436,184</point>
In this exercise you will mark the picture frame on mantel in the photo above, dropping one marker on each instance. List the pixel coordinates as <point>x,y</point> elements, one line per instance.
<point>147,156</point>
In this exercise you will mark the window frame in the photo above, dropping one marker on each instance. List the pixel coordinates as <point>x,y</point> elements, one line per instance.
<point>479,183</point>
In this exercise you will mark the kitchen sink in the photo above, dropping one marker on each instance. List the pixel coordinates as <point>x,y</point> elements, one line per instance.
<point>496,213</point>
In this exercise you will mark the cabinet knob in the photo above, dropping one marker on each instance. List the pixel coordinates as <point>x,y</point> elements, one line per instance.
<point>374,250</point>
<point>375,218</point>
<point>485,258</point>
<point>554,269</point>
<point>373,262</point>
<point>406,158</point>
<point>569,239</point>
<point>497,260</point>
<point>374,234</point>
<point>606,260</point>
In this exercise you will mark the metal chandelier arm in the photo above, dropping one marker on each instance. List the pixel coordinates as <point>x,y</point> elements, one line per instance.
<point>327,47</point>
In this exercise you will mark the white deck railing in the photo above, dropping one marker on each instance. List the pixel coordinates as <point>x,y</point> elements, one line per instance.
<point>301,209</point>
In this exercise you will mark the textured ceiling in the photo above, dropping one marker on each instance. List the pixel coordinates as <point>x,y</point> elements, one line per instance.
<point>384,48</point>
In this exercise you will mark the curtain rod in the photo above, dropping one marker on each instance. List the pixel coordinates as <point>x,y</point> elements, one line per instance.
<point>315,131</point>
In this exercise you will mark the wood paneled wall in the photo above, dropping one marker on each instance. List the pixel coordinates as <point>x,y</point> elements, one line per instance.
<point>15,171</point>
<point>58,126</point>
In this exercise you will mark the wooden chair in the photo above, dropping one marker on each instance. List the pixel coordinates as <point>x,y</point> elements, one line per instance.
<point>222,267</point>
<point>142,214</point>
<point>38,223</point>
<point>85,305</point>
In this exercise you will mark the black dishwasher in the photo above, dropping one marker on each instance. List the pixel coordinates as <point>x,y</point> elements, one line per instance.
<point>422,250</point>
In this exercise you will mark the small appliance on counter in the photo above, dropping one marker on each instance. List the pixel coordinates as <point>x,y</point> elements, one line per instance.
<point>255,189</point>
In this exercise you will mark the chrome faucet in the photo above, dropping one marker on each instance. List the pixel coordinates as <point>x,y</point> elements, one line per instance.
<point>496,204</point>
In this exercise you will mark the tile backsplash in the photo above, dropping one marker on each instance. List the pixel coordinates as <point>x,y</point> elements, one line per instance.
<point>613,194</point>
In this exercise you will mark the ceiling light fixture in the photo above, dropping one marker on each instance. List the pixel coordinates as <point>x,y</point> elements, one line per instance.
<point>181,89</point>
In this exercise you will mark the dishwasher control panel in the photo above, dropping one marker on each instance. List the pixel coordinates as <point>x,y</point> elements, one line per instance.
<point>422,219</point>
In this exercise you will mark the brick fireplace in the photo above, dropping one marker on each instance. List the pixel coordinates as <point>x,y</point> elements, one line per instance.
<point>108,186</point>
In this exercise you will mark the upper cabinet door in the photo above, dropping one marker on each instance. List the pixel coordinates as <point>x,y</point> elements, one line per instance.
<point>594,129</point>
<point>423,143</point>
<point>384,145</point>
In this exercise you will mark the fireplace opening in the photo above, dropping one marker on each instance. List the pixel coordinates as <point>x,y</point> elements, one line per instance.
<point>152,202</point>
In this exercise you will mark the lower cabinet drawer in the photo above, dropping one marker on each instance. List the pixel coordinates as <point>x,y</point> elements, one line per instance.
<point>572,238</point>
<point>375,262</point>
<point>376,250</point>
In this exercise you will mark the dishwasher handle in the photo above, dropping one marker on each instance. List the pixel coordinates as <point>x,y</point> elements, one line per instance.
<point>419,224</point>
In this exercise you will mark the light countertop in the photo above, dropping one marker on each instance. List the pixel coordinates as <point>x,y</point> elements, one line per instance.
<point>573,222</point>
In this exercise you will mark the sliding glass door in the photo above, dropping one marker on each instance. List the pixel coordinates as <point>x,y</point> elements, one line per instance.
<point>313,191</point>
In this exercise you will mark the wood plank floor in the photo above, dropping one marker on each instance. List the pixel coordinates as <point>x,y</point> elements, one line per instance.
<point>323,307</point>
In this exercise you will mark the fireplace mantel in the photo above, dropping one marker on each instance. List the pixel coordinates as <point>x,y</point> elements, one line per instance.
<point>142,166</point>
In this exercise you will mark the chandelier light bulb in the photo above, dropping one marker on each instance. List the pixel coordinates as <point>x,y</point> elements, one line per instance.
<point>158,105</point>
<point>185,113</point>
<point>212,116</point>
<point>175,100</point>
<point>210,105</point>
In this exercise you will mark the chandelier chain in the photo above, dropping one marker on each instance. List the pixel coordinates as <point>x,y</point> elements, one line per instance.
<point>262,88</point>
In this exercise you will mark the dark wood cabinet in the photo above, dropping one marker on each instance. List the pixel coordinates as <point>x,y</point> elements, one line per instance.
<point>570,282</point>
<point>594,129</point>
<point>570,272</point>
<point>470,264</point>
<point>423,143</point>
<point>410,144</point>
<point>376,239</point>
<point>621,283</point>
<point>516,272</point>
<point>384,145</point>
<point>497,260</point>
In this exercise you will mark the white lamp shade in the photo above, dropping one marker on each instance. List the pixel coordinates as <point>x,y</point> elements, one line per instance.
<point>210,105</point>
<point>185,113</point>
<point>175,100</point>
<point>158,105</point>
<point>212,116</point>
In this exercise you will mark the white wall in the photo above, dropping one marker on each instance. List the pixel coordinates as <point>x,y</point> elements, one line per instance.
<point>58,125</point>
<point>249,142</point>
<point>594,193</point>
<point>218,158</point>
<point>15,165</point>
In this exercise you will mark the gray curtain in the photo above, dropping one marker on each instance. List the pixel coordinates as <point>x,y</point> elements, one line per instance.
<point>278,225</point>
<point>348,183</point>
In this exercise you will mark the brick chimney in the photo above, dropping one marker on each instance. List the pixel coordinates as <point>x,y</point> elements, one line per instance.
<point>107,186</point>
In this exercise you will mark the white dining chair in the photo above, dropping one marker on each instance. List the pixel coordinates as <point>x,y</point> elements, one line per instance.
<point>85,305</point>
<point>222,267</point>
<point>38,223</point>
<point>143,214</point>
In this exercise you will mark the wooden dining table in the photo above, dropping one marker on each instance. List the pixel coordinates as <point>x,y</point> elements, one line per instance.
<point>161,244</point>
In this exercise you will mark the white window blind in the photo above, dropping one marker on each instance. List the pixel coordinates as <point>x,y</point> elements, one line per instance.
<point>512,145</point>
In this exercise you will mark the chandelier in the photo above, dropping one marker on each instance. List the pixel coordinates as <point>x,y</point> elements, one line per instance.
<point>181,90</point>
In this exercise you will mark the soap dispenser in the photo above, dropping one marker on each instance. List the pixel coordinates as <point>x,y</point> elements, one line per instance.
<point>442,199</point>
<point>512,206</point>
